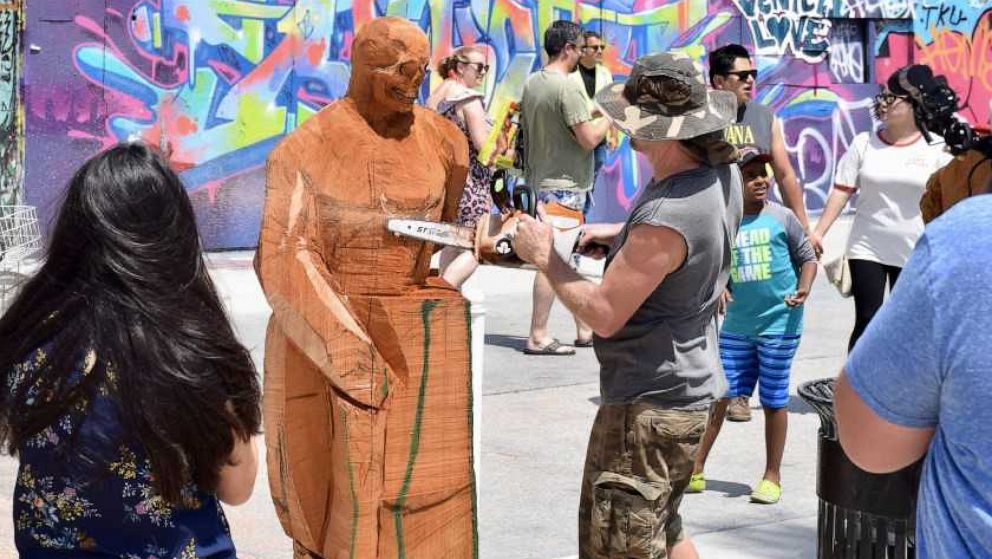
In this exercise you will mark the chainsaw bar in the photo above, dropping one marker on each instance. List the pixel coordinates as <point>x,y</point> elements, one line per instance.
<point>440,233</point>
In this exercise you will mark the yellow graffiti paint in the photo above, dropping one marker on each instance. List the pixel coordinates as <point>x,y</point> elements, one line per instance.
<point>257,120</point>
<point>157,30</point>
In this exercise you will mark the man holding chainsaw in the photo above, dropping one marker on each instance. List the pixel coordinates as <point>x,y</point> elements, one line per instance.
<point>559,138</point>
<point>654,312</point>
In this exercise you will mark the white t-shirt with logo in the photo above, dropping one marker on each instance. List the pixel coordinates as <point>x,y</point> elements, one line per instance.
<point>890,180</point>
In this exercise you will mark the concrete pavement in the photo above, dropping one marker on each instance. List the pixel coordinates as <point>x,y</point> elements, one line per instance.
<point>536,415</point>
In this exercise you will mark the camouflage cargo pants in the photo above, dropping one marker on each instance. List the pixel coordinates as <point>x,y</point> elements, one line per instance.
<point>637,468</point>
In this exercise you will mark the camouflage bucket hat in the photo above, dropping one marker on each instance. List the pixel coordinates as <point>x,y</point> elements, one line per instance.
<point>666,98</point>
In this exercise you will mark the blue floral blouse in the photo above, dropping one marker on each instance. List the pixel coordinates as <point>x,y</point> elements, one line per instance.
<point>60,511</point>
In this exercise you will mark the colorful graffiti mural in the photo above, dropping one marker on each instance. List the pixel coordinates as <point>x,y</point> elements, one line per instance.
<point>217,83</point>
<point>11,117</point>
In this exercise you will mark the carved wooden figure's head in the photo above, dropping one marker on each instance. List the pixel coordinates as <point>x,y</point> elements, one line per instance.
<point>389,62</point>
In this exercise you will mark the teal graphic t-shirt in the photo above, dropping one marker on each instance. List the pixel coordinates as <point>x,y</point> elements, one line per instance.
<point>770,249</point>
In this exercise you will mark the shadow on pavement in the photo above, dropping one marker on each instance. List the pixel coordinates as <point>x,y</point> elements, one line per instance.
<point>797,405</point>
<point>728,488</point>
<point>502,340</point>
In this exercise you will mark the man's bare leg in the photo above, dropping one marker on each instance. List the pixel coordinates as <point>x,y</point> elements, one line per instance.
<point>776,427</point>
<point>709,437</point>
<point>683,550</point>
<point>583,333</point>
<point>544,297</point>
<point>457,265</point>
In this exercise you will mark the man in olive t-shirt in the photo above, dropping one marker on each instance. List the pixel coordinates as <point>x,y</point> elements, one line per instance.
<point>560,136</point>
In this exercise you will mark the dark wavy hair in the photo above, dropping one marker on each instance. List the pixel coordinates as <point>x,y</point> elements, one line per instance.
<point>125,277</point>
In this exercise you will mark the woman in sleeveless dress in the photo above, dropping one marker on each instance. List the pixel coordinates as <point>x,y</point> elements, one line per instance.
<point>457,99</point>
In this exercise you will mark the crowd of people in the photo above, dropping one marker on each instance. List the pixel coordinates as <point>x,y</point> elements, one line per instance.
<point>129,401</point>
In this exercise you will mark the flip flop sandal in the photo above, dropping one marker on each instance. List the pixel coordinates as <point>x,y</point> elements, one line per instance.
<point>767,493</point>
<point>582,343</point>
<point>554,347</point>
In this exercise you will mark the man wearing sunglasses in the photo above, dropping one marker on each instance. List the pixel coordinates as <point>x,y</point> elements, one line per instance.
<point>592,76</point>
<point>731,70</point>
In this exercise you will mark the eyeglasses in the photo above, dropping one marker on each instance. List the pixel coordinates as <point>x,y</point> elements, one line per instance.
<point>743,75</point>
<point>599,48</point>
<point>480,68</point>
<point>887,98</point>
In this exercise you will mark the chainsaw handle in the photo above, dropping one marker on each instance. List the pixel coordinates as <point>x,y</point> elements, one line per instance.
<point>524,200</point>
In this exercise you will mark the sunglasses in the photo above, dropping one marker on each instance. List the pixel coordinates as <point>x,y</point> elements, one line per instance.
<point>743,75</point>
<point>599,48</point>
<point>887,98</point>
<point>480,68</point>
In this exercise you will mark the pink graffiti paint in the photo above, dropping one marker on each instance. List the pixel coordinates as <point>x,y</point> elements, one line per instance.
<point>315,52</point>
<point>229,73</point>
<point>346,49</point>
<point>180,54</point>
<point>182,13</point>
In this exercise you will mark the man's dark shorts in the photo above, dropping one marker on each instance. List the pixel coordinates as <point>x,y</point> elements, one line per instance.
<point>638,465</point>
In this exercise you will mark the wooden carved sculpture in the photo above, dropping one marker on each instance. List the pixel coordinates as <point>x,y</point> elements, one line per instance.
<point>367,364</point>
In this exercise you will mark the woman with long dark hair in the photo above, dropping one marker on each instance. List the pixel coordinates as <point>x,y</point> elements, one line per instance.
<point>126,397</point>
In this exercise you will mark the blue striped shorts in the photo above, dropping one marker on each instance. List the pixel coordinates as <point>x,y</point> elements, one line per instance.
<point>750,359</point>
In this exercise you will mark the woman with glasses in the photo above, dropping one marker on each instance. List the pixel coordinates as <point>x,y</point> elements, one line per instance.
<point>889,171</point>
<point>126,396</point>
<point>458,99</point>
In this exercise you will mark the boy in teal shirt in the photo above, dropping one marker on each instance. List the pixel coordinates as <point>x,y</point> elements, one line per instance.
<point>773,269</point>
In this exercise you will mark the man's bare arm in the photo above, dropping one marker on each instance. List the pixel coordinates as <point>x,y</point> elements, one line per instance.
<point>591,133</point>
<point>872,443</point>
<point>785,176</point>
<point>649,254</point>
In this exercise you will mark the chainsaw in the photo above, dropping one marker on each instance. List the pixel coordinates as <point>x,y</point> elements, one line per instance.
<point>492,238</point>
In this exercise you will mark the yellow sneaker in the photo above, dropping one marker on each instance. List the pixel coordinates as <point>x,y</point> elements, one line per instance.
<point>697,484</point>
<point>766,493</point>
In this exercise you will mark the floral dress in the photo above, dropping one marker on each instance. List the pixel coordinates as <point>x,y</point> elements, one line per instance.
<point>64,509</point>
<point>476,199</point>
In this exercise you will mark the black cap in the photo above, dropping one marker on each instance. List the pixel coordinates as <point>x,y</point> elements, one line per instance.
<point>913,81</point>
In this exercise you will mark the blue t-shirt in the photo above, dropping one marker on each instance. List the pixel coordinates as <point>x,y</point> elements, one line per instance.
<point>64,509</point>
<point>925,361</point>
<point>770,249</point>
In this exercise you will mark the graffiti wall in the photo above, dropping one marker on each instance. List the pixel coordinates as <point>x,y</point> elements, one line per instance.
<point>11,114</point>
<point>217,83</point>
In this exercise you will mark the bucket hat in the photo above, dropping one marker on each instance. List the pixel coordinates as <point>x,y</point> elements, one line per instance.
<point>666,98</point>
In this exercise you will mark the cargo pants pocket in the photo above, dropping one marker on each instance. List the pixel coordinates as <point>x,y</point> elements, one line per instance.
<point>627,516</point>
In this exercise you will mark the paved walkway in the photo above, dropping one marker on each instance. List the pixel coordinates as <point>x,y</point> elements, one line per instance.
<point>536,417</point>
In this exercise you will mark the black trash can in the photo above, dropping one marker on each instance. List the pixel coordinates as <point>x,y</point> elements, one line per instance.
<point>861,515</point>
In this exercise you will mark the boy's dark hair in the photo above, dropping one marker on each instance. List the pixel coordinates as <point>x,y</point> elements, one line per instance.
<point>559,34</point>
<point>590,34</point>
<point>722,59</point>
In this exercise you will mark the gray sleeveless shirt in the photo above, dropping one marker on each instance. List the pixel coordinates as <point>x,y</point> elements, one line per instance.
<point>667,354</point>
